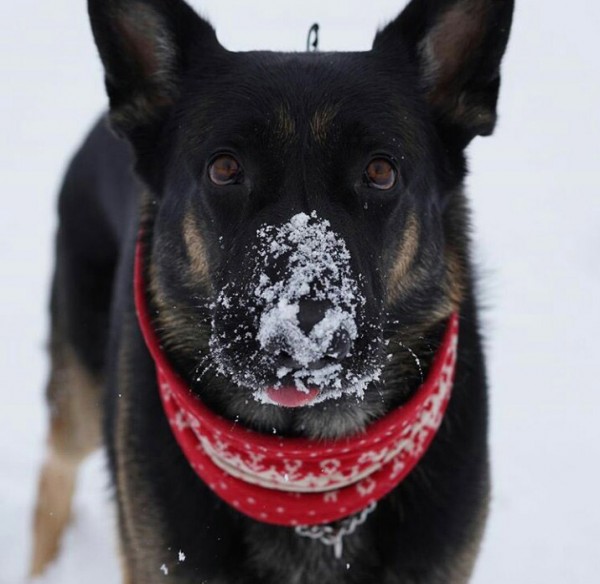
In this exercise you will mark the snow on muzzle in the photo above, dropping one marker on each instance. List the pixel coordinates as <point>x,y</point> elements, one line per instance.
<point>292,328</point>
<point>281,332</point>
<point>308,300</point>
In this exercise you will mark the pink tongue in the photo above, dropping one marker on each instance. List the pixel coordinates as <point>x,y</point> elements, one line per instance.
<point>290,397</point>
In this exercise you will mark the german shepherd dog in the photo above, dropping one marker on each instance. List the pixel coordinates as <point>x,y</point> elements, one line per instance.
<point>211,159</point>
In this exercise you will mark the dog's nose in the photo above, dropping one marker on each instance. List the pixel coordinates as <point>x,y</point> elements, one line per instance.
<point>310,314</point>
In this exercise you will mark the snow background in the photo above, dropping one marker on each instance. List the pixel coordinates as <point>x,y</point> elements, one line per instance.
<point>534,187</point>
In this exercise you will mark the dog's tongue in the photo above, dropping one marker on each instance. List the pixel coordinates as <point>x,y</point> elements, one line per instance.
<point>291,397</point>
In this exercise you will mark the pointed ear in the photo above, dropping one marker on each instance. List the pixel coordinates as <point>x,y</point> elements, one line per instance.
<point>457,46</point>
<point>145,47</point>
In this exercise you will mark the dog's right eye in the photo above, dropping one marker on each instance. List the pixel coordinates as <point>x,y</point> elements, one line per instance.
<point>225,170</point>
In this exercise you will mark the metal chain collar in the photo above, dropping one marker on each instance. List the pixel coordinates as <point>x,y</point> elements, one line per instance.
<point>332,534</point>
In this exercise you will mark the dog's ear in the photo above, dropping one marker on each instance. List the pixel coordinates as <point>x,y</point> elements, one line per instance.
<point>145,47</point>
<point>457,46</point>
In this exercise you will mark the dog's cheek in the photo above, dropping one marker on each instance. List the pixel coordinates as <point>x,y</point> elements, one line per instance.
<point>402,257</point>
<point>233,343</point>
<point>198,268</point>
<point>425,278</point>
<point>455,278</point>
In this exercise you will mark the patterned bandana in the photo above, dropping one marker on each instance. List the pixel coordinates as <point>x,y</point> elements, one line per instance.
<point>297,481</point>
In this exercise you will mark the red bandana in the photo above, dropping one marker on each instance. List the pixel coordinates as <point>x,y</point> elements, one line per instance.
<point>297,481</point>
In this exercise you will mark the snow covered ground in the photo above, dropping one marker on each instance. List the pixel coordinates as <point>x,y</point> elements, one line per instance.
<point>535,189</point>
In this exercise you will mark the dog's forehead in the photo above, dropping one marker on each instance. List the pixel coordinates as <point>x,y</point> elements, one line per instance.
<point>288,94</point>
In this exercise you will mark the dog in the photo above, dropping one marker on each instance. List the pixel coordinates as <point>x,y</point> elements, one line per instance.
<point>270,252</point>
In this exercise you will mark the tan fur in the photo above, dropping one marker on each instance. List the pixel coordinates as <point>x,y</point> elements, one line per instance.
<point>445,51</point>
<point>74,432</point>
<point>455,278</point>
<point>404,256</point>
<point>126,577</point>
<point>285,124</point>
<point>179,330</point>
<point>454,290</point>
<point>321,121</point>
<point>196,248</point>
<point>168,319</point>
<point>403,278</point>
<point>460,29</point>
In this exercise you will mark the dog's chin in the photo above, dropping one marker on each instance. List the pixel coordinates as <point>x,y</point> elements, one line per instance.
<point>290,409</point>
<point>337,399</point>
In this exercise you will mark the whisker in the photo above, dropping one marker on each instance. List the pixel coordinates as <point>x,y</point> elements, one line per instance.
<point>210,366</point>
<point>378,386</point>
<point>414,356</point>
<point>199,365</point>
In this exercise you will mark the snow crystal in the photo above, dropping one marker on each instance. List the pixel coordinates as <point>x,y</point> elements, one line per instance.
<point>164,570</point>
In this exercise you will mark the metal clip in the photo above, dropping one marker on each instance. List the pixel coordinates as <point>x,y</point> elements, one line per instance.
<point>312,40</point>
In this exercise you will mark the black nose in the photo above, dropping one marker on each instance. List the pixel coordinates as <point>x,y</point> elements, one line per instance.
<point>310,313</point>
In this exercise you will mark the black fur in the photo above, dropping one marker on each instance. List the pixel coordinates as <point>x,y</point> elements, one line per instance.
<point>179,99</point>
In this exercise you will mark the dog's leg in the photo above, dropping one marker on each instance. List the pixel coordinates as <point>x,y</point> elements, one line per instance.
<point>80,307</point>
<point>73,395</point>
<point>126,577</point>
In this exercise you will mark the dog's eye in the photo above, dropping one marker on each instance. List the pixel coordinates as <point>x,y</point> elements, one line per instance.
<point>380,174</point>
<point>224,170</point>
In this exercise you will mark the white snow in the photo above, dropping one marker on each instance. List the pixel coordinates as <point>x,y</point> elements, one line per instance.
<point>318,267</point>
<point>306,259</point>
<point>535,189</point>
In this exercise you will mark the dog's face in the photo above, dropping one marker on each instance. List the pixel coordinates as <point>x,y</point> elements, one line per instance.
<point>293,183</point>
<point>307,233</point>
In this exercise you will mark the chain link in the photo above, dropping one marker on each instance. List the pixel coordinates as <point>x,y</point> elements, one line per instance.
<point>332,534</point>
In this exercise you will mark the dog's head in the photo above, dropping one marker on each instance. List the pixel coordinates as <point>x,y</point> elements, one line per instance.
<point>308,232</point>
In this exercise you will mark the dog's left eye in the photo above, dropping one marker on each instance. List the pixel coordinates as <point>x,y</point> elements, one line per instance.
<point>225,170</point>
<point>380,174</point>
